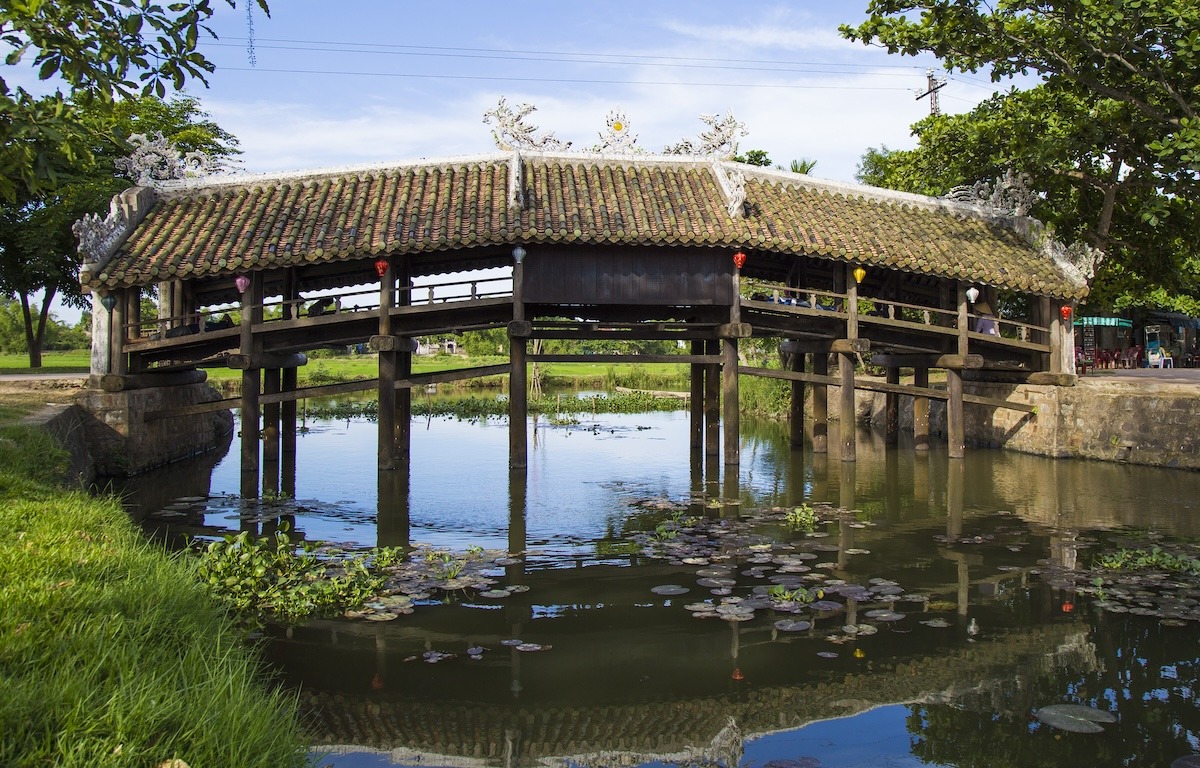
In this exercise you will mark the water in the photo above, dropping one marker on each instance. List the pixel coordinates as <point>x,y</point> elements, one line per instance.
<point>981,551</point>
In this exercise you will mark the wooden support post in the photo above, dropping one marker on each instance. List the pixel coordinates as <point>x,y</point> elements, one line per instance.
<point>272,379</point>
<point>386,383</point>
<point>120,364</point>
<point>392,527</point>
<point>891,409</point>
<point>954,414</point>
<point>404,404</point>
<point>921,411</point>
<point>729,392</point>
<point>1058,360</point>
<point>287,435</point>
<point>964,319</point>
<point>796,412</point>
<point>712,403</point>
<point>518,391</point>
<point>820,405</point>
<point>251,382</point>
<point>696,401</point>
<point>846,412</point>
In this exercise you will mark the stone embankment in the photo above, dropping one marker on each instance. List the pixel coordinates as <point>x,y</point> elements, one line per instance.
<point>1144,416</point>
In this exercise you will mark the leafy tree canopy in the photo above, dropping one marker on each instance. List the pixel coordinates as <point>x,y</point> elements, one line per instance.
<point>98,49</point>
<point>1141,54</point>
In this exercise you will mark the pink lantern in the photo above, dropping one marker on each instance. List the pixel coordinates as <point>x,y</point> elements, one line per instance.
<point>242,282</point>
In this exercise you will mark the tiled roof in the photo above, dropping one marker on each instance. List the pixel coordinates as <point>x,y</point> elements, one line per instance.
<point>215,228</point>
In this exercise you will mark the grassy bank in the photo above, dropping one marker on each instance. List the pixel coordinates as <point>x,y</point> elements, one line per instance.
<point>110,653</point>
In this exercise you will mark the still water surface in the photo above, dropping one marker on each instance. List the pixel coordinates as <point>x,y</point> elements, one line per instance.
<point>956,574</point>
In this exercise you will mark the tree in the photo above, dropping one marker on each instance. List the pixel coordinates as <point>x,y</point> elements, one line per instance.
<point>1106,146</point>
<point>803,165</point>
<point>1141,54</point>
<point>37,246</point>
<point>754,157</point>
<point>98,49</point>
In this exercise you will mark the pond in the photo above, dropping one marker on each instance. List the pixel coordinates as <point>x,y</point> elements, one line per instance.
<point>647,612</point>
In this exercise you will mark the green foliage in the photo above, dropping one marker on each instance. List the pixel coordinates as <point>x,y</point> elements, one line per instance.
<point>99,49</point>
<point>801,518</point>
<point>271,578</point>
<point>797,595</point>
<point>754,157</point>
<point>1154,558</point>
<point>110,652</point>
<point>1109,135</point>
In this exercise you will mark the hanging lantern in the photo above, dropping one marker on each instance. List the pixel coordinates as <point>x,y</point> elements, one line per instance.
<point>972,294</point>
<point>1065,311</point>
<point>739,259</point>
<point>518,254</point>
<point>108,301</point>
<point>1068,606</point>
<point>860,274</point>
<point>381,266</point>
<point>242,282</point>
<point>737,672</point>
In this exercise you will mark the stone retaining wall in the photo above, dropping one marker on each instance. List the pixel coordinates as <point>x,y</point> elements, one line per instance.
<point>1134,421</point>
<point>121,440</point>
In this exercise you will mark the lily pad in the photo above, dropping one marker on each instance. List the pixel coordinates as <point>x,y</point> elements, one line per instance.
<point>669,589</point>
<point>786,625</point>
<point>1075,718</point>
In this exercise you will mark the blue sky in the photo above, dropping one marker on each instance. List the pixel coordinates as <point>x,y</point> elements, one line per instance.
<point>377,81</point>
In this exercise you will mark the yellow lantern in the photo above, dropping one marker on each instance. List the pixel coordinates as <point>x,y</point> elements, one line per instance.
<point>859,275</point>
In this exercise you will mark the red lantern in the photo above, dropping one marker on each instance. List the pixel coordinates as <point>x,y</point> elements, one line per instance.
<point>1068,606</point>
<point>381,266</point>
<point>739,259</point>
<point>1065,311</point>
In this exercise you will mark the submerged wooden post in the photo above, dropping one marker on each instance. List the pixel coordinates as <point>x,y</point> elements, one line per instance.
<point>891,408</point>
<point>712,403</point>
<point>696,400</point>
<point>251,381</point>
<point>955,439</point>
<point>287,434</point>
<point>796,411</point>
<point>402,437</point>
<point>518,393</point>
<point>921,410</point>
<point>272,380</point>
<point>729,393</point>
<point>386,384</point>
<point>820,405</point>
<point>846,371</point>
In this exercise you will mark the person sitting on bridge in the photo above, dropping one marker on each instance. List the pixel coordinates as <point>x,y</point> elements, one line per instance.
<point>325,306</point>
<point>985,321</point>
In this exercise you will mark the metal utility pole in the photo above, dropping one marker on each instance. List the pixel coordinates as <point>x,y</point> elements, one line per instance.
<point>932,86</point>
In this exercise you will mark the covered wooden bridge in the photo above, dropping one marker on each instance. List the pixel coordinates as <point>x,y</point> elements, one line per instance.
<point>566,245</point>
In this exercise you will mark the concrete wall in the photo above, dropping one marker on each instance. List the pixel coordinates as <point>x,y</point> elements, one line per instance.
<point>1132,421</point>
<point>122,442</point>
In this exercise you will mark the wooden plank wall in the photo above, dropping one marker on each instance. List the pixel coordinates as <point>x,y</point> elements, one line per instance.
<point>624,275</point>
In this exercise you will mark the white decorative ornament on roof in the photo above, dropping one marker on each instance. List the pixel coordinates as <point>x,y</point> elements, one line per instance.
<point>511,132</point>
<point>1078,260</point>
<point>617,139</point>
<point>733,188</point>
<point>516,182</point>
<point>156,162</point>
<point>97,236</point>
<point>1008,195</point>
<point>720,141</point>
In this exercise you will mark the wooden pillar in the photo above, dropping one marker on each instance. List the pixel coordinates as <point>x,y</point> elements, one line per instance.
<point>891,408</point>
<point>954,414</point>
<point>386,383</point>
<point>712,403</point>
<point>820,405</point>
<point>518,387</point>
<point>288,383</point>
<point>796,412</point>
<point>404,401</point>
<point>846,411</point>
<point>120,365</point>
<point>921,411</point>
<point>272,379</point>
<point>251,380</point>
<point>964,320</point>
<point>696,400</point>
<point>729,393</point>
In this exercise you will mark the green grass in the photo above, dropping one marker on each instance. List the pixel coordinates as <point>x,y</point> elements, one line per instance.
<point>71,361</point>
<point>111,654</point>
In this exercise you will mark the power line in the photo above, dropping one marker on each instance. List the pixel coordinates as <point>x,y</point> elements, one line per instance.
<point>782,67</point>
<point>352,46</point>
<point>579,81</point>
